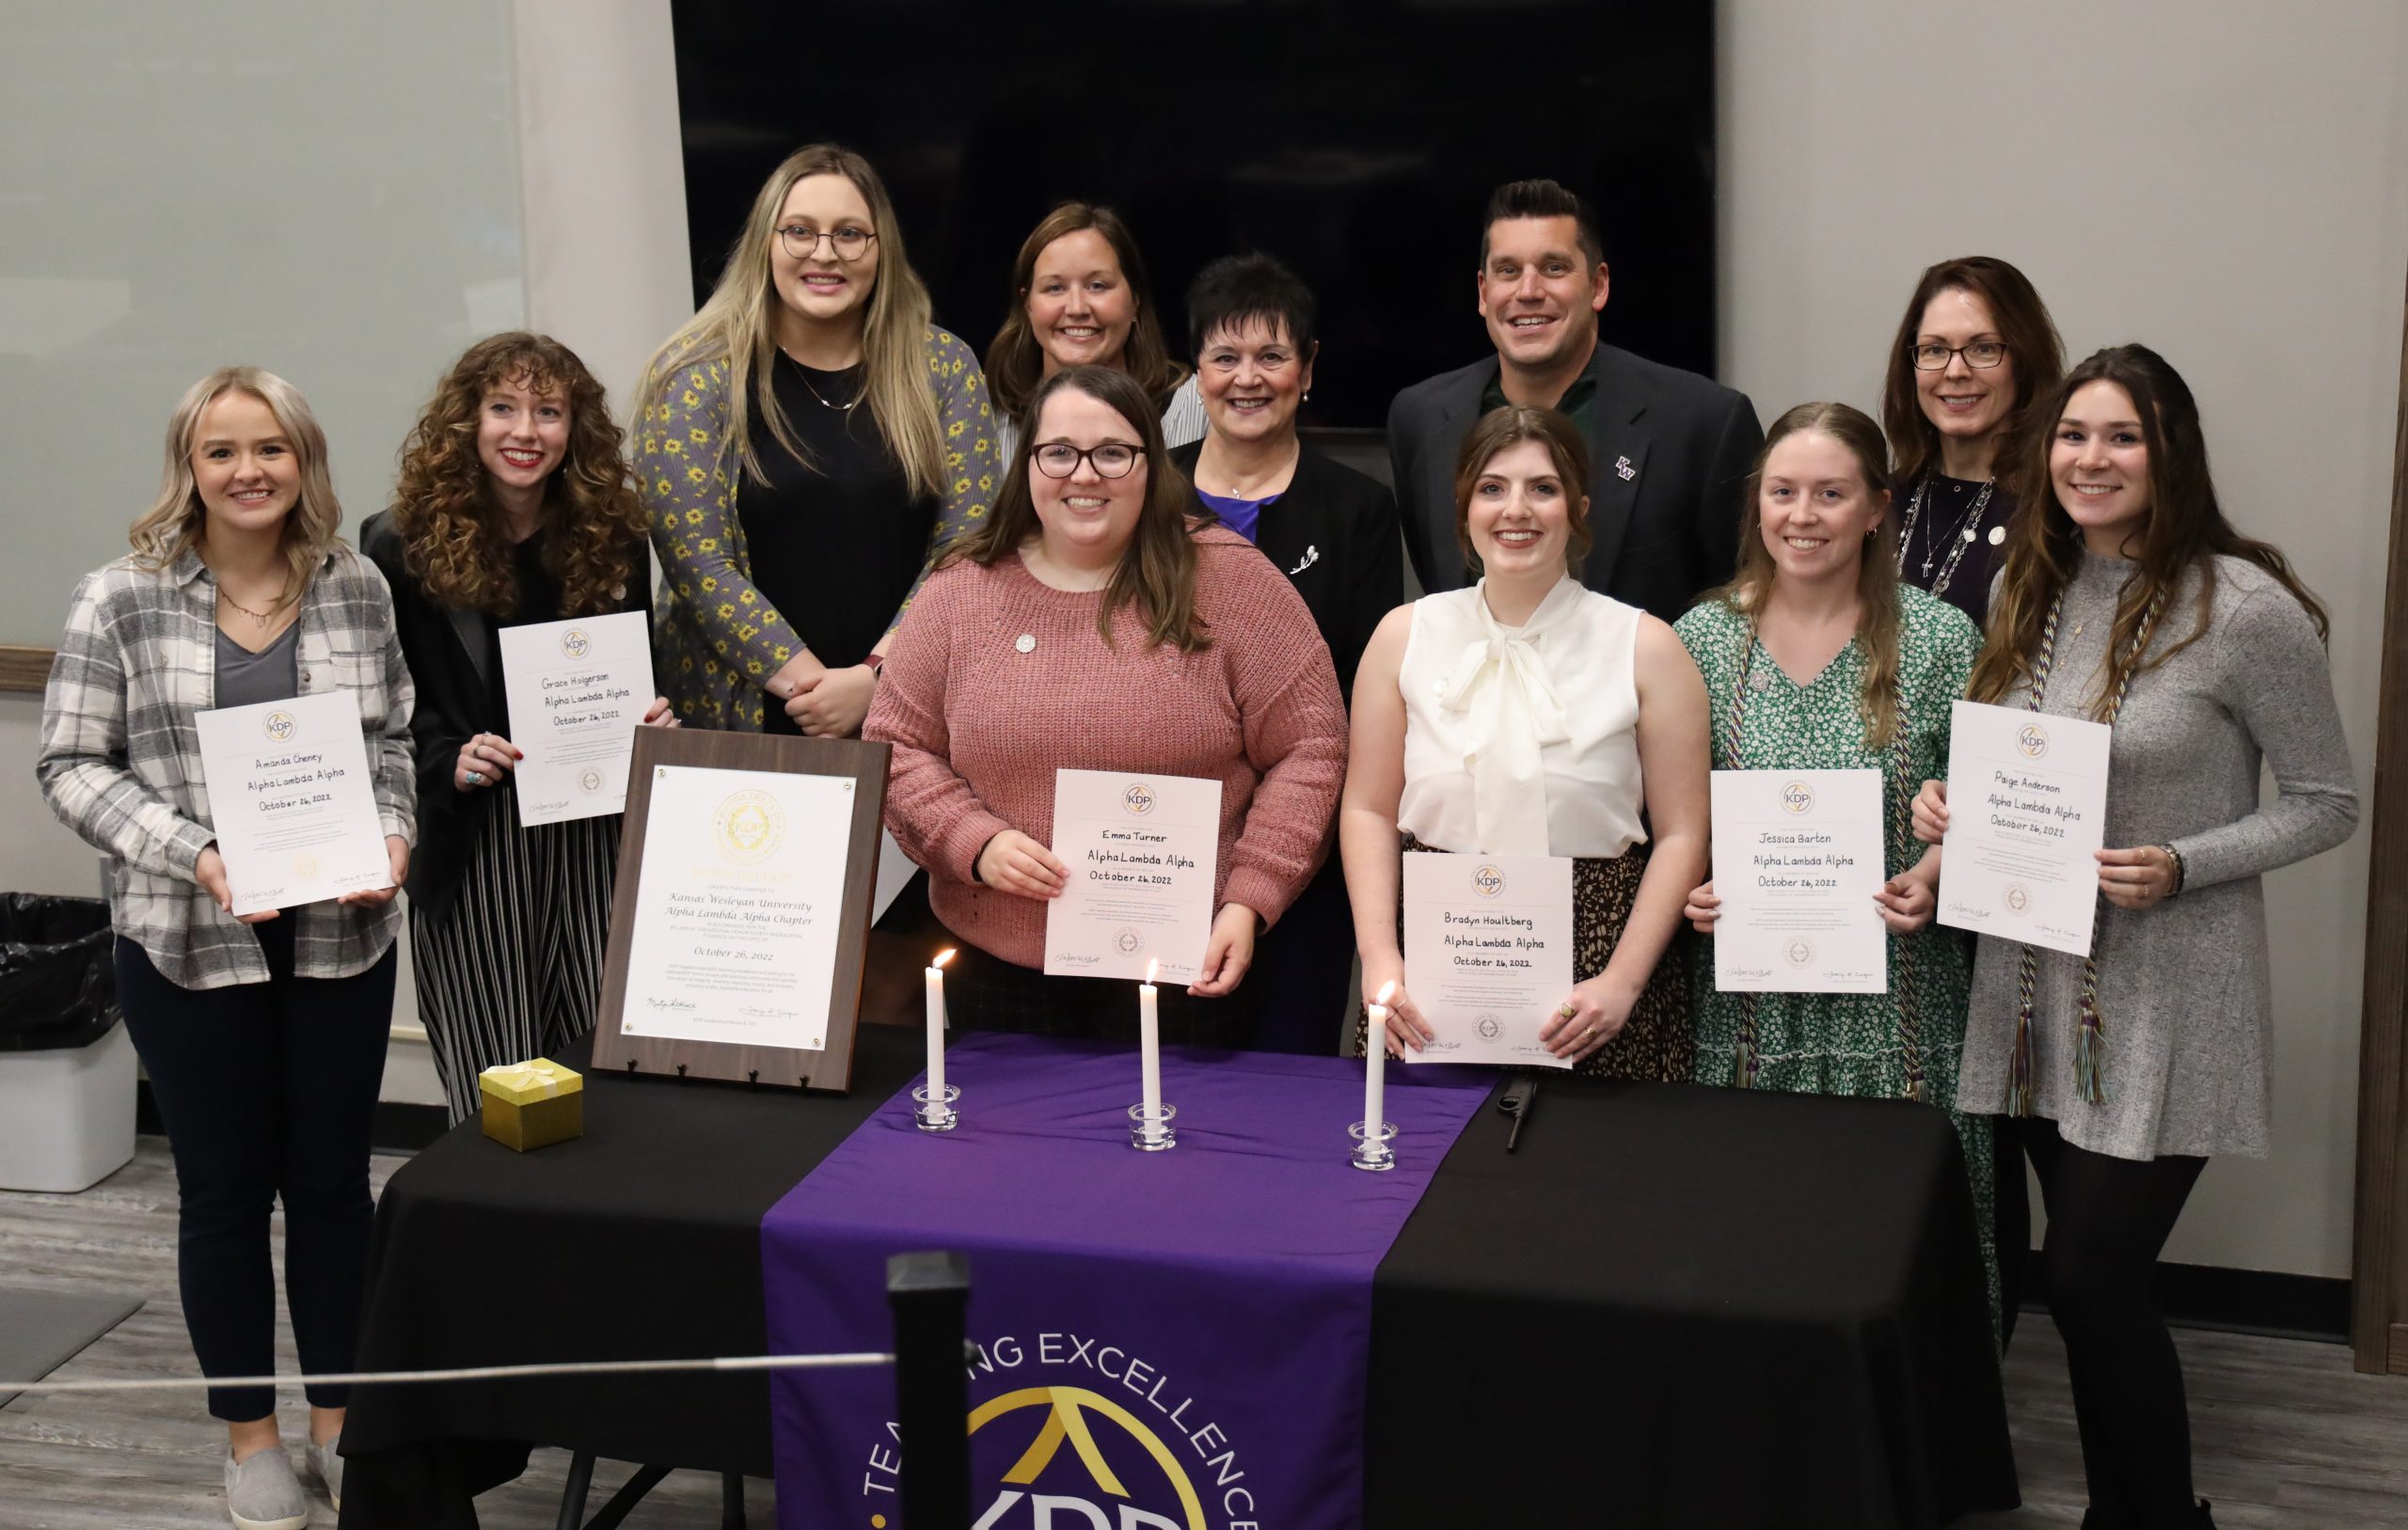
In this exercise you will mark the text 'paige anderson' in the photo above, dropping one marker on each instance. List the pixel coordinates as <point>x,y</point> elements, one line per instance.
<point>2010,811</point>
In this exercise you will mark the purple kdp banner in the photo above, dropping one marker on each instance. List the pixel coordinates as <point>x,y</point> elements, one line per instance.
<point>1165,1341</point>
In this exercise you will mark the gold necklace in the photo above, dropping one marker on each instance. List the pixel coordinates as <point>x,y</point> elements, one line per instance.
<point>259,619</point>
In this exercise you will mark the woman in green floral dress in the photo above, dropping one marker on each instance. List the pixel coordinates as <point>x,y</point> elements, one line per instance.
<point>1815,657</point>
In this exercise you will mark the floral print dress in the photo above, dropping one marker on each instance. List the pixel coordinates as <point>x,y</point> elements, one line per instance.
<point>1848,1044</point>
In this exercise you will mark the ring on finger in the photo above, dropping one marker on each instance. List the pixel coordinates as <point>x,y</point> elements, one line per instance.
<point>1565,1010</point>
<point>475,778</point>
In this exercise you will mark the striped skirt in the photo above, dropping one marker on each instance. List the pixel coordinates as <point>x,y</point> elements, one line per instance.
<point>511,966</point>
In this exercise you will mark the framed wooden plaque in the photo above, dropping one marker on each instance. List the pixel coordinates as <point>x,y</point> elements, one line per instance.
<point>740,835</point>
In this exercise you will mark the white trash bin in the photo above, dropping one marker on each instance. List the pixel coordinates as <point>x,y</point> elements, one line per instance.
<point>67,1116</point>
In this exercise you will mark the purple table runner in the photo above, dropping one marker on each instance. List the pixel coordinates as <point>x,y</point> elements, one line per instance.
<point>1168,1341</point>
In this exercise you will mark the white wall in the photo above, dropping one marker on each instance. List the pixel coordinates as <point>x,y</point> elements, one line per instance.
<point>2228,184</point>
<point>600,238</point>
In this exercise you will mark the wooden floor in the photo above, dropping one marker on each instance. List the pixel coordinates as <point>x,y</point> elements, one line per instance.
<point>2286,1434</point>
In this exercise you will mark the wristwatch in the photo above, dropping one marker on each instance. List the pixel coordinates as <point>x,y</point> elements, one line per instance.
<point>875,663</point>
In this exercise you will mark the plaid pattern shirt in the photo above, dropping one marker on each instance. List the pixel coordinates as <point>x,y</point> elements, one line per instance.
<point>121,759</point>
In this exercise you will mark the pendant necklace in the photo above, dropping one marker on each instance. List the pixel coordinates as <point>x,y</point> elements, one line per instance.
<point>259,619</point>
<point>1958,539</point>
<point>805,372</point>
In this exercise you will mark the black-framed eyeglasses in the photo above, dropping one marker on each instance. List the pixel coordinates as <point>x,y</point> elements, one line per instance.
<point>1982,353</point>
<point>1060,459</point>
<point>802,244</point>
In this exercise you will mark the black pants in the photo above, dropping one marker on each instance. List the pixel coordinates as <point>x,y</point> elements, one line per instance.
<point>985,992</point>
<point>1301,965</point>
<point>267,1090</point>
<point>2108,1222</point>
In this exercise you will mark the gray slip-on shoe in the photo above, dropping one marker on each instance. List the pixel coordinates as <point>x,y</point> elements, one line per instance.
<point>261,1493</point>
<point>325,1464</point>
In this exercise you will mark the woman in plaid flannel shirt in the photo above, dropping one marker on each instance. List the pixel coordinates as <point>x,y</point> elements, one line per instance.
<point>265,1034</point>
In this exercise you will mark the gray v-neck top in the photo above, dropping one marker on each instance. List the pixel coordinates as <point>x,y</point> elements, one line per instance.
<point>271,675</point>
<point>2185,994</point>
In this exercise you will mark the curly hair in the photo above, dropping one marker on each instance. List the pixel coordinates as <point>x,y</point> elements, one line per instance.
<point>452,540</point>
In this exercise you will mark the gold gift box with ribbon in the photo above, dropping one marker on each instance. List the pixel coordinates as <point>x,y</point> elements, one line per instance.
<point>534,1104</point>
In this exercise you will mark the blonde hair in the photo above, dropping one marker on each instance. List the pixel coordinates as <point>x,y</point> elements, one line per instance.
<point>176,523</point>
<point>737,324</point>
<point>1877,568</point>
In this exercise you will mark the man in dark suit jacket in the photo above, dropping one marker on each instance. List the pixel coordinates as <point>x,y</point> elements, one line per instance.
<point>1669,450</point>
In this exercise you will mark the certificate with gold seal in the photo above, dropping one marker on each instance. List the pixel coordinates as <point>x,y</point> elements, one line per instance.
<point>2027,810</point>
<point>1142,851</point>
<point>1487,954</point>
<point>1797,861</point>
<point>738,906</point>
<point>292,801</point>
<point>576,691</point>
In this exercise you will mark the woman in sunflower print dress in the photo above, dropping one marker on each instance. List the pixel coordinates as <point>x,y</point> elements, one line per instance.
<point>807,443</point>
<point>1816,658</point>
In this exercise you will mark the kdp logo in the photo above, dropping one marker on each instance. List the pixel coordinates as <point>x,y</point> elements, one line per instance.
<point>2032,740</point>
<point>574,644</point>
<point>1488,882</point>
<point>1075,1416</point>
<point>1141,1453</point>
<point>1138,798</point>
<point>1796,798</point>
<point>280,725</point>
<point>749,826</point>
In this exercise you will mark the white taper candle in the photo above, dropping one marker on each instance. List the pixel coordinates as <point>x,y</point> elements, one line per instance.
<point>1375,1067</point>
<point>1149,1048</point>
<point>935,1027</point>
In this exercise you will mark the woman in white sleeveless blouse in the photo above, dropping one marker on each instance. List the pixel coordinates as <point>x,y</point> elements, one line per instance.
<point>1528,715</point>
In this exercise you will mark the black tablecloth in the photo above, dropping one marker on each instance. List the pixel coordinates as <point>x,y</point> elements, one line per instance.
<point>1672,1306</point>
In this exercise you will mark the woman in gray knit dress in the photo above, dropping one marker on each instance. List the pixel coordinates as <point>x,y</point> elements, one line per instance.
<point>2128,598</point>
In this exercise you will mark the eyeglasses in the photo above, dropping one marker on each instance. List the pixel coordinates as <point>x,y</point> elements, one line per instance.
<point>1060,459</point>
<point>802,244</point>
<point>1983,354</point>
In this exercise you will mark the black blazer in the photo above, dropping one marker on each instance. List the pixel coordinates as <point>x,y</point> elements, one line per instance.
<point>449,653</point>
<point>1334,534</point>
<point>1668,460</point>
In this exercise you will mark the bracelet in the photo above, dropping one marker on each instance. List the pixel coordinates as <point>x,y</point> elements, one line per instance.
<point>2179,870</point>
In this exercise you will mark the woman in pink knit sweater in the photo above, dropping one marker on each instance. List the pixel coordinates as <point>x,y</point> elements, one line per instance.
<point>1090,623</point>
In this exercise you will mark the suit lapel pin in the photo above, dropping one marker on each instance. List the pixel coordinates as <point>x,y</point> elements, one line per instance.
<point>1313,555</point>
<point>1622,466</point>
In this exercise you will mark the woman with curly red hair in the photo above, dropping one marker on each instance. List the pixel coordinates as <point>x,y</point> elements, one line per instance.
<point>514,505</point>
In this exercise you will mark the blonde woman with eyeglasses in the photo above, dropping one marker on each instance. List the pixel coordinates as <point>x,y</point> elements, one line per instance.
<point>807,443</point>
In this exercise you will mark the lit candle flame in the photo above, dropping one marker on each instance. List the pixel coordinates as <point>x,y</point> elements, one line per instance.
<point>1152,964</point>
<point>943,956</point>
<point>1386,989</point>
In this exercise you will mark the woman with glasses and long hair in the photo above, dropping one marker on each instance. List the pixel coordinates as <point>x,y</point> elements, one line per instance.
<point>805,445</point>
<point>1530,716</point>
<point>1333,533</point>
<point>1818,657</point>
<point>1080,298</point>
<point>1095,622</point>
<point>515,506</point>
<point>1974,348</point>
<point>263,1035</point>
<point>2128,598</point>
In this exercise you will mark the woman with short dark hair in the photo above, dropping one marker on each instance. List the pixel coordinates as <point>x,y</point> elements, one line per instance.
<point>1330,529</point>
